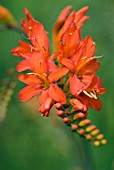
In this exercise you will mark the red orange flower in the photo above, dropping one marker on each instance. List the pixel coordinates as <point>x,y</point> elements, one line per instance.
<point>44,72</point>
<point>79,57</point>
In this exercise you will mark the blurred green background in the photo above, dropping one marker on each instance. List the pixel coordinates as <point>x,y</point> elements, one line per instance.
<point>31,142</point>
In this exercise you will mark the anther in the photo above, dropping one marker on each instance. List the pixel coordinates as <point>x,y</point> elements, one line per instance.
<point>30,28</point>
<point>32,48</point>
<point>62,42</point>
<point>44,48</point>
<point>86,93</point>
<point>45,74</point>
<point>93,95</point>
<point>70,33</point>
<point>84,57</point>
<point>25,37</point>
<point>95,57</point>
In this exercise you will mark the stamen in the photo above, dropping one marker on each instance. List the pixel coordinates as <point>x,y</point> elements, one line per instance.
<point>70,33</point>
<point>93,95</point>
<point>44,48</point>
<point>32,48</point>
<point>95,57</point>
<point>32,74</point>
<point>84,57</point>
<point>45,74</point>
<point>86,93</point>
<point>62,42</point>
<point>25,37</point>
<point>30,28</point>
<point>97,90</point>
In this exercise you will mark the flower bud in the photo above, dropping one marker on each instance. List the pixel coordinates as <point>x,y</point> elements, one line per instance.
<point>74,127</point>
<point>78,116</point>
<point>88,136</point>
<point>58,105</point>
<point>100,136</point>
<point>60,113</point>
<point>66,120</point>
<point>96,143</point>
<point>81,131</point>
<point>95,132</point>
<point>6,17</point>
<point>103,141</point>
<point>84,122</point>
<point>90,128</point>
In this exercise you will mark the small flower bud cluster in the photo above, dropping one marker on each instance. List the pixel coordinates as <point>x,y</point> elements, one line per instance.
<point>6,92</point>
<point>81,125</point>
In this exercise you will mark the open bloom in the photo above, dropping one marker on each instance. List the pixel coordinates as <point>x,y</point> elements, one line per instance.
<point>44,72</point>
<point>65,20</point>
<point>78,56</point>
<point>88,92</point>
<point>42,82</point>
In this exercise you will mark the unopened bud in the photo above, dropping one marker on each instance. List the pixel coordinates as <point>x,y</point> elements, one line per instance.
<point>9,92</point>
<point>58,105</point>
<point>78,116</point>
<point>74,127</point>
<point>100,136</point>
<point>90,128</point>
<point>66,120</point>
<point>12,84</point>
<point>6,17</point>
<point>95,132</point>
<point>60,113</point>
<point>103,141</point>
<point>84,122</point>
<point>81,131</point>
<point>88,136</point>
<point>96,143</point>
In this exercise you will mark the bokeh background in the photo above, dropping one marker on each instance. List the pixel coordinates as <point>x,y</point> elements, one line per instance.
<point>31,142</point>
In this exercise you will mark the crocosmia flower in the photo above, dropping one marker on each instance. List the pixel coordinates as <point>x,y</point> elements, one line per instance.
<point>36,58</point>
<point>65,79</point>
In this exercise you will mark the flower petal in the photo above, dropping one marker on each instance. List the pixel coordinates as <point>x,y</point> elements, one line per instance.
<point>90,47</point>
<point>91,67</point>
<point>30,79</point>
<point>24,50</point>
<point>76,86</point>
<point>23,65</point>
<point>80,18</point>
<point>59,23</point>
<point>57,74</point>
<point>56,94</point>
<point>96,104</point>
<point>69,21</point>
<point>68,63</point>
<point>28,93</point>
